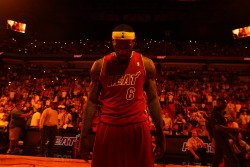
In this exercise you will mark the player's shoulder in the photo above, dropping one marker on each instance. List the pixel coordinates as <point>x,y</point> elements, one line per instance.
<point>149,67</point>
<point>148,63</point>
<point>147,60</point>
<point>99,61</point>
<point>97,65</point>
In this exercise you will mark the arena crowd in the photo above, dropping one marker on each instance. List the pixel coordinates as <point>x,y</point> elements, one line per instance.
<point>145,46</point>
<point>187,97</point>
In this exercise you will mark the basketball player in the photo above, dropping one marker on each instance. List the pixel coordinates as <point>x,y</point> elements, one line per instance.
<point>119,80</point>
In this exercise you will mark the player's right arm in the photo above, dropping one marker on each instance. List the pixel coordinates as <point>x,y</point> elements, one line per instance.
<point>91,107</point>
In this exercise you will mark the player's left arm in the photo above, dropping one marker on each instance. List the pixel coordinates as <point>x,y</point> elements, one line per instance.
<point>154,105</point>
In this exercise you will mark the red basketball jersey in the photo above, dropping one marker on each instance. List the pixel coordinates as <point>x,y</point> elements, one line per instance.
<point>122,94</point>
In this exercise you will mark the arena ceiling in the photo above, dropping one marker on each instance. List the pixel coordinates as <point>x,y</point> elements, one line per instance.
<point>163,19</point>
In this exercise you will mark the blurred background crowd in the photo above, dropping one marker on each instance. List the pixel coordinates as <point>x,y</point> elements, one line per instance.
<point>187,97</point>
<point>239,48</point>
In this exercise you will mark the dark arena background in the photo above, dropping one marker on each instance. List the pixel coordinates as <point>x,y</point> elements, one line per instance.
<point>201,49</point>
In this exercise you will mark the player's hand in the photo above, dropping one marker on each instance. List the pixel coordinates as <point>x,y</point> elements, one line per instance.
<point>160,142</point>
<point>84,148</point>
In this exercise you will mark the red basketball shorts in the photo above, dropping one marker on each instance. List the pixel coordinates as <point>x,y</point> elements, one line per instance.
<point>123,146</point>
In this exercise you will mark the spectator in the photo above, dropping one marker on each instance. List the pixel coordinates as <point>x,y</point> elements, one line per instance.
<point>238,106</point>
<point>196,149</point>
<point>193,108</point>
<point>193,119</point>
<point>48,127</point>
<point>203,107</point>
<point>67,125</point>
<point>188,129</point>
<point>3,132</point>
<point>17,123</point>
<point>245,119</point>
<point>203,132</point>
<point>1,112</point>
<point>176,130</point>
<point>180,121</point>
<point>35,120</point>
<point>242,149</point>
<point>63,116</point>
<point>230,107</point>
<point>4,122</point>
<point>244,109</point>
<point>167,120</point>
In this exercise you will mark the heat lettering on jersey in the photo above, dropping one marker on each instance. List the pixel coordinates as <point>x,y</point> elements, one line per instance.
<point>127,79</point>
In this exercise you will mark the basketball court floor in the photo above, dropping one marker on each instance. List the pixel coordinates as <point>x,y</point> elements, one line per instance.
<point>33,161</point>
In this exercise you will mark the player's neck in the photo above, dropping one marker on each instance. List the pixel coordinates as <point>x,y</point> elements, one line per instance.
<point>122,60</point>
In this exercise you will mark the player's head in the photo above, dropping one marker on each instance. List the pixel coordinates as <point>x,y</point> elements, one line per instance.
<point>123,40</point>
